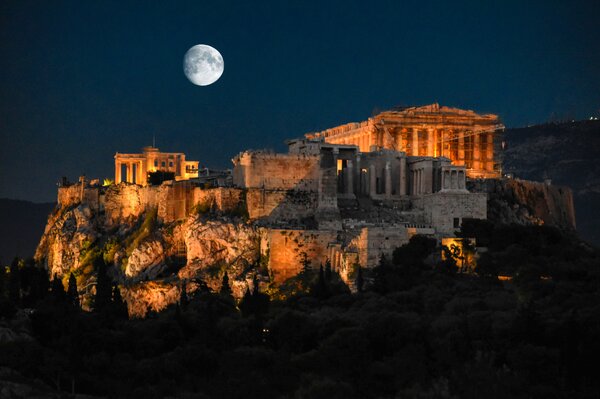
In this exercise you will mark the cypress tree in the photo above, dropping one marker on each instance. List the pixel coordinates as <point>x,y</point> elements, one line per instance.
<point>225,288</point>
<point>360,282</point>
<point>321,290</point>
<point>118,303</point>
<point>103,296</point>
<point>183,298</point>
<point>57,289</point>
<point>328,274</point>
<point>247,304</point>
<point>72,293</point>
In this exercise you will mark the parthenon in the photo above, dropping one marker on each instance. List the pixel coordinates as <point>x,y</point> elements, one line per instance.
<point>134,168</point>
<point>463,136</point>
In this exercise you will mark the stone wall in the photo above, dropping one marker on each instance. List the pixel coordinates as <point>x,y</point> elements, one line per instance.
<point>287,247</point>
<point>123,202</point>
<point>73,194</point>
<point>441,209</point>
<point>280,204</point>
<point>224,199</point>
<point>276,171</point>
<point>373,242</point>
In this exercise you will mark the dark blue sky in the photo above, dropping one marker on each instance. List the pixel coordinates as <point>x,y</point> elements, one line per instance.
<point>82,80</point>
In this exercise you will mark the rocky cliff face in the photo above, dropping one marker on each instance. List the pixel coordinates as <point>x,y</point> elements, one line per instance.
<point>149,260</point>
<point>567,154</point>
<point>527,202</point>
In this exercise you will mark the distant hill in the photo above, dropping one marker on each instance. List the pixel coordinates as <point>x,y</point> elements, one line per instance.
<point>566,153</point>
<point>22,224</point>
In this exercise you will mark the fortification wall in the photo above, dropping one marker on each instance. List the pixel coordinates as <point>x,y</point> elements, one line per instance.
<point>287,247</point>
<point>224,199</point>
<point>441,209</point>
<point>72,195</point>
<point>123,202</point>
<point>280,204</point>
<point>276,171</point>
<point>373,242</point>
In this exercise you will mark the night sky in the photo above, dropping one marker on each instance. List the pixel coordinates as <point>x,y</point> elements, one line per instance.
<point>82,80</point>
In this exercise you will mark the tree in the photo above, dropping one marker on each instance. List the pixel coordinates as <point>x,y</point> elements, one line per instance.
<point>103,297</point>
<point>119,305</point>
<point>57,289</point>
<point>360,282</point>
<point>320,289</point>
<point>183,298</point>
<point>254,303</point>
<point>72,293</point>
<point>328,274</point>
<point>247,304</point>
<point>225,288</point>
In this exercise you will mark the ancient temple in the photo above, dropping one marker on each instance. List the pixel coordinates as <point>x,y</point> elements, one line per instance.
<point>134,168</point>
<point>465,137</point>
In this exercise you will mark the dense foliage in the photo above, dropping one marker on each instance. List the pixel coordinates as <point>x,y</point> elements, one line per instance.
<point>419,329</point>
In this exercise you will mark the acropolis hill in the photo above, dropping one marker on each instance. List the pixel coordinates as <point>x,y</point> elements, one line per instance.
<point>347,195</point>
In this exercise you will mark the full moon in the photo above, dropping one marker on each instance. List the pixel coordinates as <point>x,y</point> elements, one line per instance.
<point>203,65</point>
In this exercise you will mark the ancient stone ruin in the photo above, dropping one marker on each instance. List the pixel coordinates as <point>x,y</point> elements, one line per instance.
<point>347,196</point>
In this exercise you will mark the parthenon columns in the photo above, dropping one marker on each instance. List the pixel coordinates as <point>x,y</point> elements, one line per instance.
<point>430,142</point>
<point>415,142</point>
<point>476,151</point>
<point>461,148</point>
<point>490,152</point>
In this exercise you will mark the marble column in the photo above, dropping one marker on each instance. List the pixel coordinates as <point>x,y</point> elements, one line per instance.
<point>461,148</point>
<point>415,142</point>
<point>490,152</point>
<point>476,151</point>
<point>349,177</point>
<point>402,179</point>
<point>430,142</point>
<point>372,181</point>
<point>388,180</point>
<point>140,178</point>
<point>117,172</point>
<point>128,168</point>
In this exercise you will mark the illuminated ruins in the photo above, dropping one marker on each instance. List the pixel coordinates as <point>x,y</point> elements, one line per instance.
<point>348,195</point>
<point>134,168</point>
<point>463,136</point>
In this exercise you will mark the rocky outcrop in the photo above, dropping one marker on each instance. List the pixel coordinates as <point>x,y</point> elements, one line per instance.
<point>69,232</point>
<point>146,261</point>
<point>123,202</point>
<point>567,154</point>
<point>218,246</point>
<point>149,296</point>
<point>527,202</point>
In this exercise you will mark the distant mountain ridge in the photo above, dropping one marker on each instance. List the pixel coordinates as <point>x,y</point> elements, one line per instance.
<point>22,224</point>
<point>567,154</point>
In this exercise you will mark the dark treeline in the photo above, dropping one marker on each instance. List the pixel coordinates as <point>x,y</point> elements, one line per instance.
<point>415,329</point>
